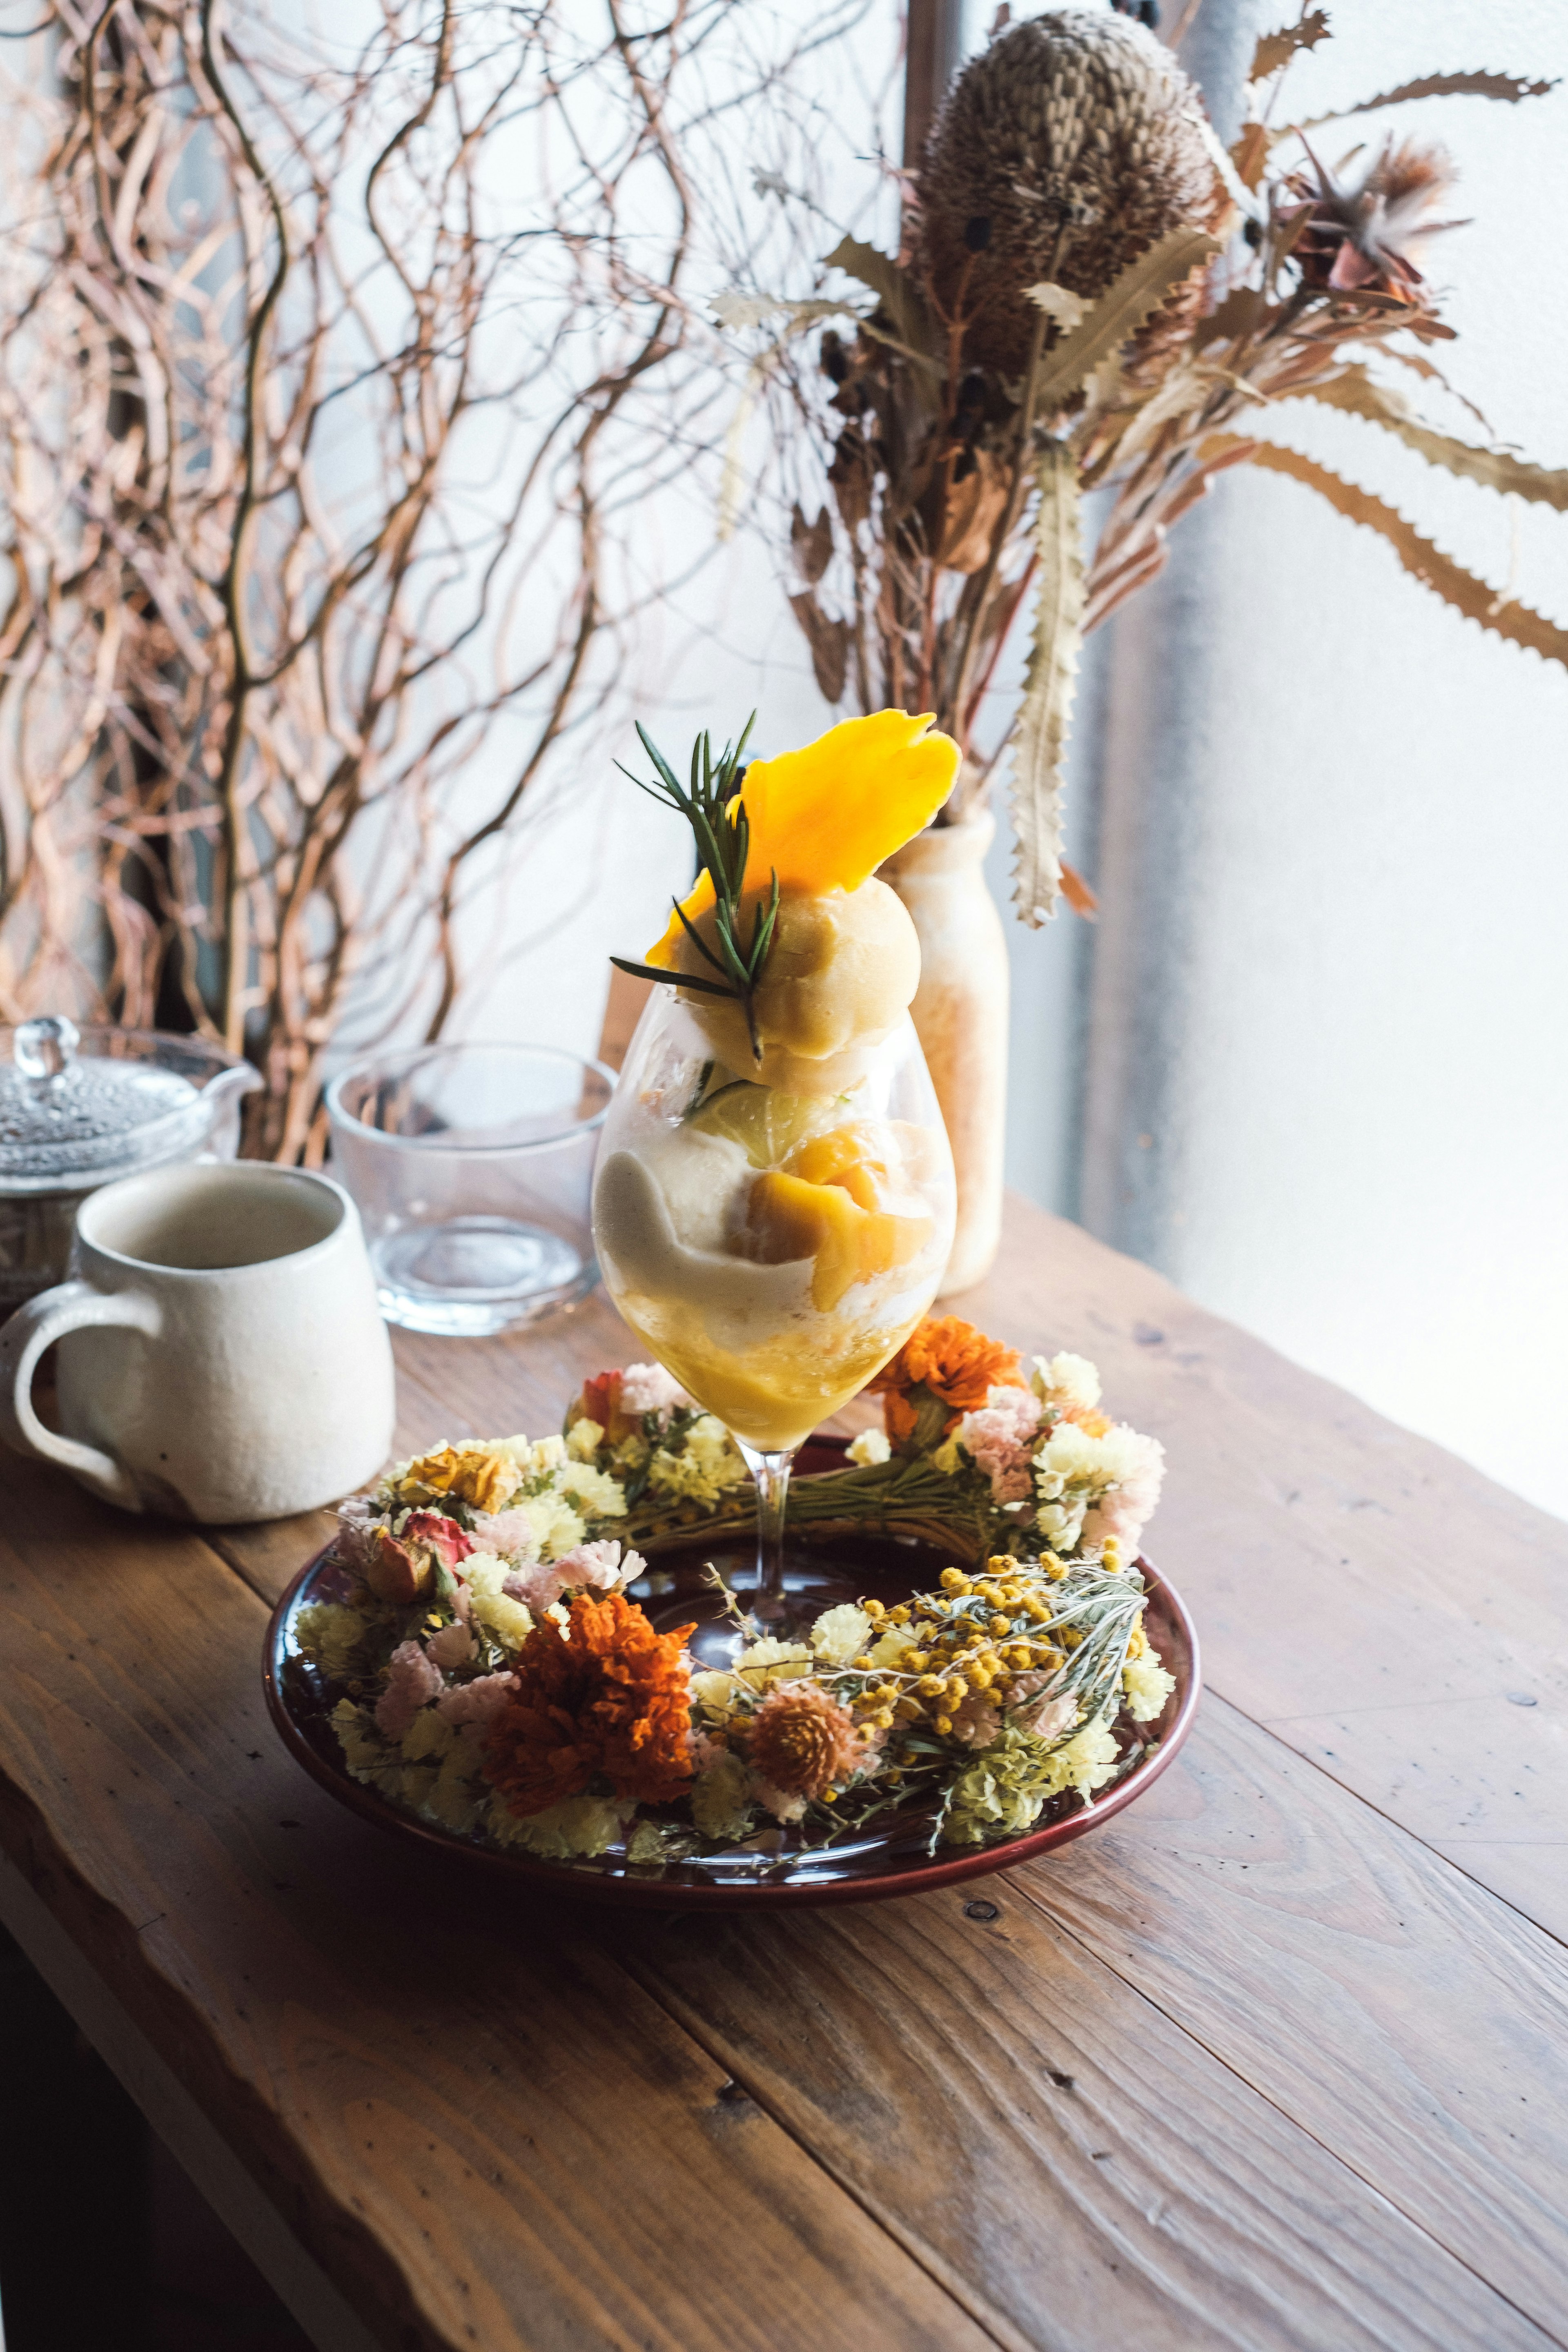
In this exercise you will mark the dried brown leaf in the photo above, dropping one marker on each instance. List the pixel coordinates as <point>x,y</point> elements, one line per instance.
<point>970,512</point>
<point>1049,685</point>
<point>1277,49</point>
<point>1474,598</point>
<point>1243,310</point>
<point>1078,894</point>
<point>1419,364</point>
<point>812,544</point>
<point>829,643</point>
<point>1360,394</point>
<point>894,288</point>
<point>849,474</point>
<point>1250,153</point>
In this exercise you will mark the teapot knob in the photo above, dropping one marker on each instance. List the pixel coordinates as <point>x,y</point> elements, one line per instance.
<point>43,1049</point>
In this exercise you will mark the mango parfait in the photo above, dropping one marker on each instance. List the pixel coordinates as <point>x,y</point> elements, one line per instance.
<point>773,1202</point>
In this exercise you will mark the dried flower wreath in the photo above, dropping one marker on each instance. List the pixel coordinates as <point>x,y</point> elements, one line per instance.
<point>494,1677</point>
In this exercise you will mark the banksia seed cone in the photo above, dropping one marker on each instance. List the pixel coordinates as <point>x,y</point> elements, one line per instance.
<point>1066,149</point>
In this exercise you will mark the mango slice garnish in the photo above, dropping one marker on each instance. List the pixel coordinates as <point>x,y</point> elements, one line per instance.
<point>839,1202</point>
<point>823,818</point>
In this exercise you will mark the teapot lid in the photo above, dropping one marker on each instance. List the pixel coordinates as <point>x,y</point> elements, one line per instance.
<point>67,1117</point>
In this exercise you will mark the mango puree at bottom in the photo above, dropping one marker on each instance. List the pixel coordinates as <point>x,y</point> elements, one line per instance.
<point>777,1392</point>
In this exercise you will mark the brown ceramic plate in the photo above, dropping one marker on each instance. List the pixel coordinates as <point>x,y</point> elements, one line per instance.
<point>887,1857</point>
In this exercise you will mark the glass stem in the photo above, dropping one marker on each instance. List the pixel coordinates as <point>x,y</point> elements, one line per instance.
<point>770,1473</point>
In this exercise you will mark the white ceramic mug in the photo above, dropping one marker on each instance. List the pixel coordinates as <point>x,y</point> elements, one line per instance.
<point>222,1355</point>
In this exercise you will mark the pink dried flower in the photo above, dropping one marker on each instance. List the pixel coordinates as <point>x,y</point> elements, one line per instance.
<point>599,1565</point>
<point>590,1568</point>
<point>1138,1465</point>
<point>452,1646</point>
<point>1041,1717</point>
<point>998,1438</point>
<point>649,1388</point>
<point>780,1802</point>
<point>412,1682</point>
<point>536,1583</point>
<point>477,1702</point>
<point>441,1535</point>
<point>978,1721</point>
<point>508,1533</point>
<point>356,1532</point>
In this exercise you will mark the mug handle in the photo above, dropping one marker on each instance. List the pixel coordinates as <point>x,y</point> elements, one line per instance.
<point>36,1324</point>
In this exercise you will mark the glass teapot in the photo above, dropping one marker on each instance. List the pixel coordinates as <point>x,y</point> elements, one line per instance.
<point>81,1107</point>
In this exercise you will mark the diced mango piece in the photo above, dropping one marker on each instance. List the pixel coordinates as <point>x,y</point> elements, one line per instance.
<point>850,1155</point>
<point>849,1239</point>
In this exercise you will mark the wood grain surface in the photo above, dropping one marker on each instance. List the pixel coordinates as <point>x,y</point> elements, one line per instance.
<point>1275,2059</point>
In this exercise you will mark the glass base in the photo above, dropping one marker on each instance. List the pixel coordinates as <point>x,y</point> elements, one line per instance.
<point>815,1579</point>
<point>473,1276</point>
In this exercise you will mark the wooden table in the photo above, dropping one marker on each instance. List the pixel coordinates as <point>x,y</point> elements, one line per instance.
<point>1278,2058</point>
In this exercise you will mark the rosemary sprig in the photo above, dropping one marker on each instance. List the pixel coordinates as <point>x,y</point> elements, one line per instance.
<point>713,808</point>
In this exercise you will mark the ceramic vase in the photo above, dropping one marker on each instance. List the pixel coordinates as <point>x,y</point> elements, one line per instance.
<point>961,1017</point>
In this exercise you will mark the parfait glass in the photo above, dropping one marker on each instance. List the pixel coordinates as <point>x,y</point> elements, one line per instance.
<point>773,1248</point>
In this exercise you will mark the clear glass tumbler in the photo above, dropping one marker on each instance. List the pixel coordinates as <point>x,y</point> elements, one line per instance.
<point>471,1166</point>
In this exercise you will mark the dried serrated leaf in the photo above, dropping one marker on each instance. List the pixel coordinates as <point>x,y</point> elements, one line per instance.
<point>1049,685</point>
<point>1519,623</point>
<point>1120,310</point>
<point>1506,88</point>
<point>732,473</point>
<point>1418,364</point>
<point>1360,394</point>
<point>893,287</point>
<point>1277,49</point>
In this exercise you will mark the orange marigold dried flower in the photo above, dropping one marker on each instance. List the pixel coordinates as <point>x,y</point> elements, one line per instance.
<point>605,1694</point>
<point>802,1740</point>
<point>951,1361</point>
